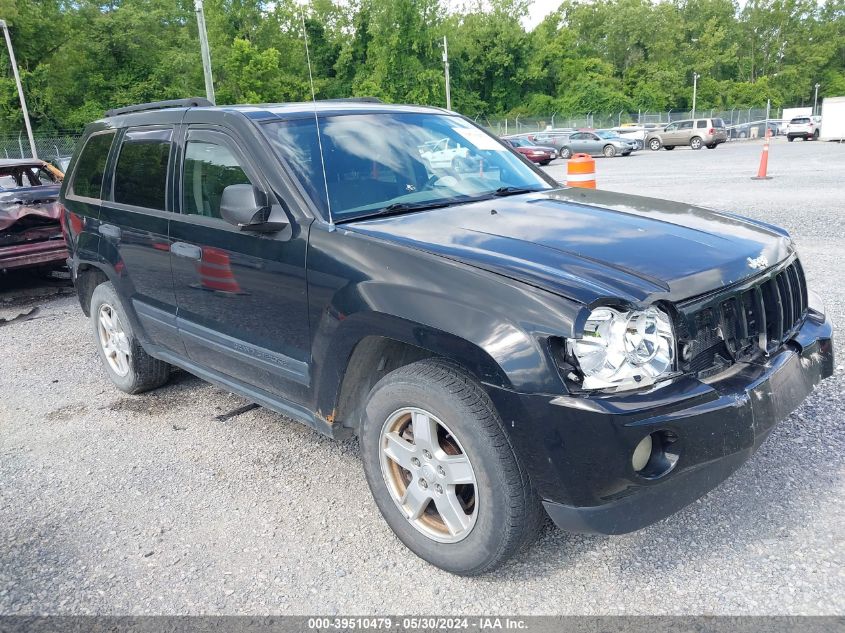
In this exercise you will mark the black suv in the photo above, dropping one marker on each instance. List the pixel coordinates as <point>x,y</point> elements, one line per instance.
<point>499,344</point>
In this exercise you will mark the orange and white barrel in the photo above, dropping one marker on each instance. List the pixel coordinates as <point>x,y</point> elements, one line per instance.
<point>581,171</point>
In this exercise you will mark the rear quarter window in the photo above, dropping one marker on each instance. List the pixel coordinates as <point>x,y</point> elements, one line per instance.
<point>140,178</point>
<point>88,175</point>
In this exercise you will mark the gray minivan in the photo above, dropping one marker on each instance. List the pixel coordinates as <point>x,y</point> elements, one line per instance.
<point>696,133</point>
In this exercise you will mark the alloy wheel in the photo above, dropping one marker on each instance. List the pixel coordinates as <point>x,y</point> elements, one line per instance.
<point>428,474</point>
<point>113,339</point>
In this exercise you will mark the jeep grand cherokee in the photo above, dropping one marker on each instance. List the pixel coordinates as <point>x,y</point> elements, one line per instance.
<point>501,345</point>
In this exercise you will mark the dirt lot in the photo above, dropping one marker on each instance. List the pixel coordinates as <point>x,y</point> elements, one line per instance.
<point>162,504</point>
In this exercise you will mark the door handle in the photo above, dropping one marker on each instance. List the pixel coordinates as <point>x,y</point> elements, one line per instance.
<point>181,249</point>
<point>109,230</point>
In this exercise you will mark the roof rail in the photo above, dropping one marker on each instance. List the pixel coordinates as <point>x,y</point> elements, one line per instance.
<point>191,102</point>
<point>353,100</point>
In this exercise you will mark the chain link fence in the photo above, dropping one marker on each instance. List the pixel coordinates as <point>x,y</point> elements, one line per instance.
<point>48,147</point>
<point>734,117</point>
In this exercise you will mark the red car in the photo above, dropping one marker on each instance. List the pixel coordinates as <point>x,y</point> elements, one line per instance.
<point>535,153</point>
<point>30,232</point>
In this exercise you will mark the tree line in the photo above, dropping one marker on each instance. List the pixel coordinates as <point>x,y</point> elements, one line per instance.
<point>79,58</point>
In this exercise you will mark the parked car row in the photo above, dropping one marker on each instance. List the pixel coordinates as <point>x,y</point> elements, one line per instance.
<point>565,143</point>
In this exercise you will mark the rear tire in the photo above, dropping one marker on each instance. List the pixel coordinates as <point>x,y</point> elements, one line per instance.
<point>711,146</point>
<point>494,517</point>
<point>816,135</point>
<point>790,138</point>
<point>609,151</point>
<point>130,368</point>
<point>654,144</point>
<point>695,142</point>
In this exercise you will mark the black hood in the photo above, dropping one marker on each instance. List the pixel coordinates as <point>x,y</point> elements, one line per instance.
<point>593,245</point>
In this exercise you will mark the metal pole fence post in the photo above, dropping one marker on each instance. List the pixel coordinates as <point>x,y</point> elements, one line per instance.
<point>206,54</point>
<point>21,96</point>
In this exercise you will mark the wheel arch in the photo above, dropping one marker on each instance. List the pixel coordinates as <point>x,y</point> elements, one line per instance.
<point>86,278</point>
<point>355,364</point>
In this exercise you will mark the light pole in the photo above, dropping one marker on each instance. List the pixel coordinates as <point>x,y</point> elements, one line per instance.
<point>206,54</point>
<point>5,28</point>
<point>815,99</point>
<point>446,69</point>
<point>695,77</point>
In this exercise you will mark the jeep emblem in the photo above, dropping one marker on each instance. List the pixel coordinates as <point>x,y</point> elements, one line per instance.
<point>758,263</point>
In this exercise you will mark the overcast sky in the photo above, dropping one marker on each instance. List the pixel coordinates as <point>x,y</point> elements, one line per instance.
<point>539,10</point>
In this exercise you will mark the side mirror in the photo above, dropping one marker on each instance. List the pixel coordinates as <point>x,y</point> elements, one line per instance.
<point>248,208</point>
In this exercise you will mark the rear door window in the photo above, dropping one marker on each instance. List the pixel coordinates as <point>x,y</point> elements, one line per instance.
<point>140,178</point>
<point>88,176</point>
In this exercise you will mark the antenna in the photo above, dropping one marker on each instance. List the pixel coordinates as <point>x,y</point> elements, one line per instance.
<point>316,119</point>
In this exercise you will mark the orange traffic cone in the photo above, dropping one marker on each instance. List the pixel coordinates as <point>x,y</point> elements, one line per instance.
<point>764,161</point>
<point>581,171</point>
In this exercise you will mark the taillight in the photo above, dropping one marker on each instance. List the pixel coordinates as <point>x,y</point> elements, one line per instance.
<point>711,131</point>
<point>62,219</point>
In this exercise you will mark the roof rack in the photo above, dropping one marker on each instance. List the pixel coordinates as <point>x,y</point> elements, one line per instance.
<point>353,100</point>
<point>191,102</point>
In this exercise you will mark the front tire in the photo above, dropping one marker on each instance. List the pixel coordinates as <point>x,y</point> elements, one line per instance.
<point>790,138</point>
<point>565,153</point>
<point>442,471</point>
<point>130,368</point>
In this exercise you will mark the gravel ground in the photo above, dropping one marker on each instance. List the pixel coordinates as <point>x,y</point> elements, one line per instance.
<point>153,504</point>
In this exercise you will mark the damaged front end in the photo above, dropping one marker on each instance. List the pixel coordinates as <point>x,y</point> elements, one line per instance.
<point>30,229</point>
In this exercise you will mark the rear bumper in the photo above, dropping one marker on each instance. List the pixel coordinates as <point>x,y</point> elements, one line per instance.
<point>30,254</point>
<point>578,449</point>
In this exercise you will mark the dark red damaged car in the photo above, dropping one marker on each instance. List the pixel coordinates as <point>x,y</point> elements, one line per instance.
<point>30,232</point>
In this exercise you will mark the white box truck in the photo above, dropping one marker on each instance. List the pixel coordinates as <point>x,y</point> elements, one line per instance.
<point>833,119</point>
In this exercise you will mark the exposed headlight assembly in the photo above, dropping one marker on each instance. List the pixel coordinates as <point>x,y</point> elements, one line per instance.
<point>624,350</point>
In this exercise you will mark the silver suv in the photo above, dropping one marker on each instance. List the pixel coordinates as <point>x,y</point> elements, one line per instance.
<point>696,133</point>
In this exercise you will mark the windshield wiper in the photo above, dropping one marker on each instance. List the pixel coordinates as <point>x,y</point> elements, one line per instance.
<point>400,207</point>
<point>513,191</point>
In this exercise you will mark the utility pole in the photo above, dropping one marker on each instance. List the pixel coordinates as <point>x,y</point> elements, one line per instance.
<point>206,55</point>
<point>446,68</point>
<point>695,77</point>
<point>5,28</point>
<point>815,99</point>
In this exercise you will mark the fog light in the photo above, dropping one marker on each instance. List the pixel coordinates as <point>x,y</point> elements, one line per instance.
<point>642,453</point>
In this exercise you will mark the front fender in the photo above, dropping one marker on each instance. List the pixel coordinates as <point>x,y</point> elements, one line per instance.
<point>495,327</point>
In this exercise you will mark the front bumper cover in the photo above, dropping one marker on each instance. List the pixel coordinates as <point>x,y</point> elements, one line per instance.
<point>578,449</point>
